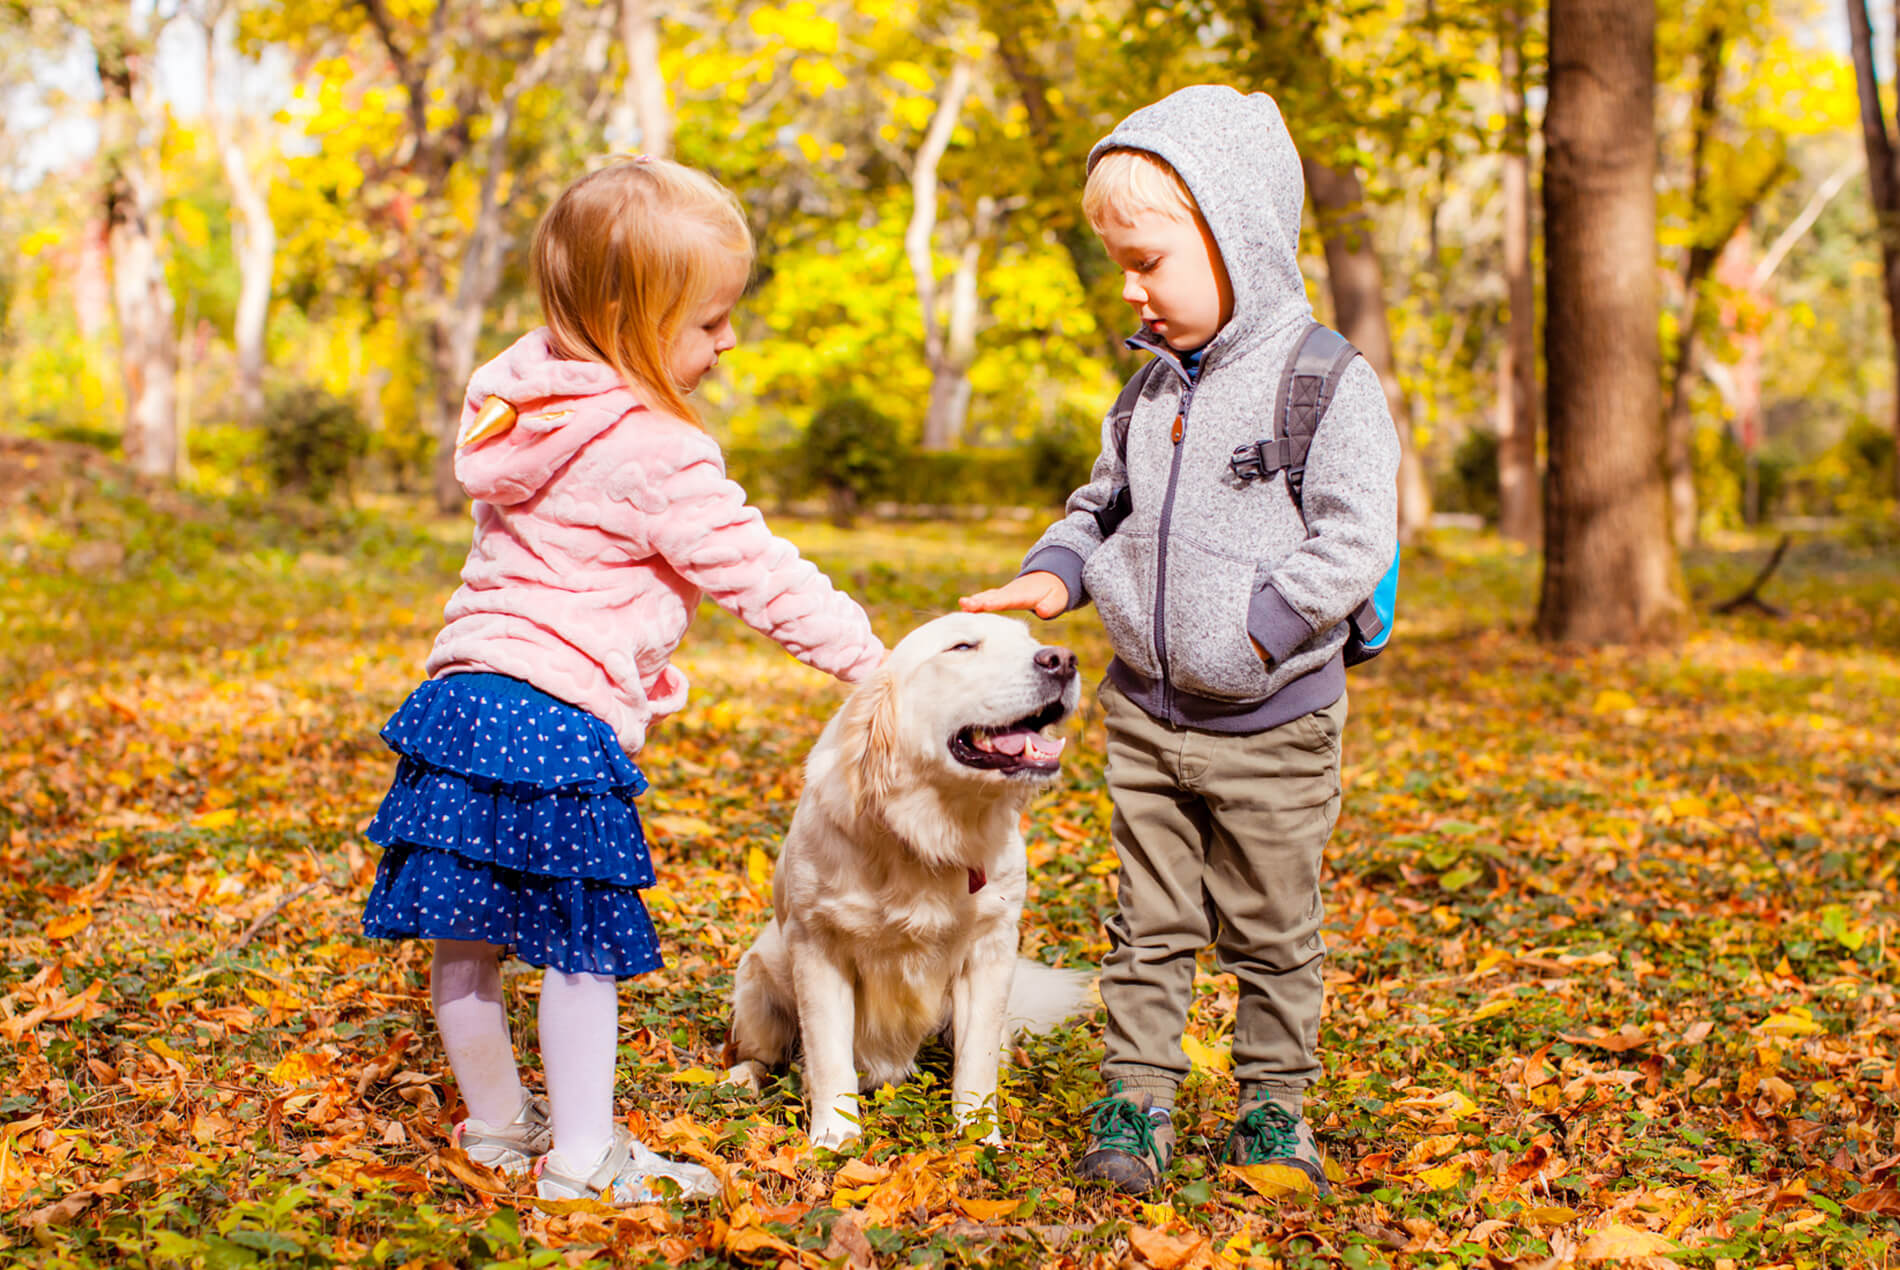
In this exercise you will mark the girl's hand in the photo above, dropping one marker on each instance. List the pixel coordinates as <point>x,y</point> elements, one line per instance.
<point>1041,593</point>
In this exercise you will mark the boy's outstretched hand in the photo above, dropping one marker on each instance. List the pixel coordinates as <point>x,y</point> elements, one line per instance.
<point>1041,593</point>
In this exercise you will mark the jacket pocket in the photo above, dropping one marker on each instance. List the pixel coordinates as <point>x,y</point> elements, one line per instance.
<point>1120,578</point>
<point>1209,651</point>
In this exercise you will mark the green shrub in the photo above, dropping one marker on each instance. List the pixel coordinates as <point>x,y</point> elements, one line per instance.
<point>1471,483</point>
<point>849,452</point>
<point>313,441</point>
<point>1060,456</point>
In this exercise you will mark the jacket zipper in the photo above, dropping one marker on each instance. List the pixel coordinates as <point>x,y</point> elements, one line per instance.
<point>1161,550</point>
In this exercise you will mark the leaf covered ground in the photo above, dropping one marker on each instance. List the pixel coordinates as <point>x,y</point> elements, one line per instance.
<point>1612,970</point>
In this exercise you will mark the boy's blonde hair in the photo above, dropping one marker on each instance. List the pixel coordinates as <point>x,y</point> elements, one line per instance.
<point>625,256</point>
<point>1125,183</point>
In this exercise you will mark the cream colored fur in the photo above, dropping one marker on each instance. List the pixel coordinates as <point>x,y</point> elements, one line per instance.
<point>877,940</point>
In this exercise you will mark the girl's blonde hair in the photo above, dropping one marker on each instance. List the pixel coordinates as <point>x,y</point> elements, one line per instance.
<point>625,257</point>
<point>1125,183</point>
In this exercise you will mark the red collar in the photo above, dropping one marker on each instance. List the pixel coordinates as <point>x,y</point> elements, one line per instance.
<point>978,880</point>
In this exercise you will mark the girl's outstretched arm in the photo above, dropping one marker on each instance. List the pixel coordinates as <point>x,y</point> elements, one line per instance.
<point>714,539</point>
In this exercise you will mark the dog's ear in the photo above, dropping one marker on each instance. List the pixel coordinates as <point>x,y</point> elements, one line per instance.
<point>869,743</point>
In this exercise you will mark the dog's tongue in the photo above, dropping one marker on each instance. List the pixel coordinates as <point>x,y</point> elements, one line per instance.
<point>1040,748</point>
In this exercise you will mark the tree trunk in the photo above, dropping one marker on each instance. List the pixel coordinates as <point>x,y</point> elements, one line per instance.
<point>949,364</point>
<point>642,119</point>
<point>1520,494</point>
<point>1015,46</point>
<point>1610,570</point>
<point>1358,285</point>
<point>142,301</point>
<point>253,235</point>
<point>1883,182</point>
<point>1679,423</point>
<point>458,323</point>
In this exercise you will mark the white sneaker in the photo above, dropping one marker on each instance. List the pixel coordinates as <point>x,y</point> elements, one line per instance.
<point>510,1147</point>
<point>624,1175</point>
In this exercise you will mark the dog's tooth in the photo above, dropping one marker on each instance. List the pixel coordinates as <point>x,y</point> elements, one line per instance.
<point>983,741</point>
<point>1043,747</point>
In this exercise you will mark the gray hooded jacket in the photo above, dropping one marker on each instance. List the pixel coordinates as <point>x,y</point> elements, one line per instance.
<point>1205,560</point>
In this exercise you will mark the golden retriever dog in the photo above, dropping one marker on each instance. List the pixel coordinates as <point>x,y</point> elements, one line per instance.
<point>898,894</point>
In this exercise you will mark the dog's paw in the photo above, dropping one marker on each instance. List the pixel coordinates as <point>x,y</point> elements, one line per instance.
<point>750,1075</point>
<point>833,1135</point>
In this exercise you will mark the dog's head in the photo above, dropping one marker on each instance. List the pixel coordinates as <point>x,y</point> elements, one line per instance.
<point>963,699</point>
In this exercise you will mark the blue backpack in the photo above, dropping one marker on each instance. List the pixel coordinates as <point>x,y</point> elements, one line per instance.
<point>1306,389</point>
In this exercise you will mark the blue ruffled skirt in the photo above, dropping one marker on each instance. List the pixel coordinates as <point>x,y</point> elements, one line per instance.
<point>511,821</point>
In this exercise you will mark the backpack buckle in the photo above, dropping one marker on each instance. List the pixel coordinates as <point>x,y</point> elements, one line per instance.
<point>1261,459</point>
<point>1247,462</point>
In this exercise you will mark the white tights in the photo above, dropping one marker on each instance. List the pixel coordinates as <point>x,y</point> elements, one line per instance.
<point>580,1023</point>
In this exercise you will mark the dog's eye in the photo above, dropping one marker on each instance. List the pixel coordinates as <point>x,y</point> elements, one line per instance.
<point>965,647</point>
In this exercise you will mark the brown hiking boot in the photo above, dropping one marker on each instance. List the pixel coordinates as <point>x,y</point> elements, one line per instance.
<point>1131,1143</point>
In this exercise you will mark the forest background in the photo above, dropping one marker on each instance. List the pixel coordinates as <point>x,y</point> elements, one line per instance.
<point>255,245</point>
<point>1612,927</point>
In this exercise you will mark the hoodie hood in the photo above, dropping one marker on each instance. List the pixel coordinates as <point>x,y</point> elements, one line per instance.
<point>561,405</point>
<point>1235,155</point>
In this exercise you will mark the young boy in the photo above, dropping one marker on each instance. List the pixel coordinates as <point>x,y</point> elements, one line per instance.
<point>1225,606</point>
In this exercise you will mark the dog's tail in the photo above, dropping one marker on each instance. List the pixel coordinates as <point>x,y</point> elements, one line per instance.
<point>1042,996</point>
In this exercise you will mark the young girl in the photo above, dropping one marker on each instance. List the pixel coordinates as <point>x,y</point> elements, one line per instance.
<point>602,514</point>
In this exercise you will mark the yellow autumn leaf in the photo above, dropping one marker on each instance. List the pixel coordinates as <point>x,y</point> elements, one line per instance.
<point>1274,1181</point>
<point>296,1068</point>
<point>1796,1022</point>
<point>1206,1058</point>
<point>860,1173</point>
<point>69,925</point>
<point>1689,806</point>
<point>222,818</point>
<point>164,1050</point>
<point>694,1076</point>
<point>758,867</point>
<point>677,826</point>
<point>742,1241</point>
<point>1164,1252</point>
<point>1610,700</point>
<point>1624,1243</point>
<point>987,1209</point>
<point>1550,1215</point>
<point>1494,1007</point>
<point>1444,1177</point>
<point>1456,1104</point>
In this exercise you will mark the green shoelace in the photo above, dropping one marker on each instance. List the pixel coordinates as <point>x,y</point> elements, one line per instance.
<point>1268,1132</point>
<point>1119,1125</point>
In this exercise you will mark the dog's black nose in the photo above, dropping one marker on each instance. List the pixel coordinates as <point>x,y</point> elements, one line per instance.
<point>1059,662</point>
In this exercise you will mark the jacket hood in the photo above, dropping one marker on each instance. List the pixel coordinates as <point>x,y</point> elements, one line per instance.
<point>1235,155</point>
<point>560,404</point>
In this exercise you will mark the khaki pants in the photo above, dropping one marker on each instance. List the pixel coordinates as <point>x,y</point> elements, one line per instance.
<point>1220,839</point>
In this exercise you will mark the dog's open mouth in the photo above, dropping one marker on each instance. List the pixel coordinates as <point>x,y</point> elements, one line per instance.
<point>1013,747</point>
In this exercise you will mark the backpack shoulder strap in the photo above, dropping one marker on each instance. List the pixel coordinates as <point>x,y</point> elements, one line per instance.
<point>1306,389</point>
<point>1121,502</point>
<point>1124,408</point>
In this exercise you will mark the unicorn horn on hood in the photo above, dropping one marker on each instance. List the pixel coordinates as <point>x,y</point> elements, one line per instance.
<point>494,418</point>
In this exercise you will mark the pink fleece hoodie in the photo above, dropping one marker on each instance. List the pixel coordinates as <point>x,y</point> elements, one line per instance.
<point>599,523</point>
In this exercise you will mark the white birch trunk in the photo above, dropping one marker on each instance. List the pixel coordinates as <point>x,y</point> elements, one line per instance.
<point>642,118</point>
<point>142,300</point>
<point>253,234</point>
<point>943,346</point>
